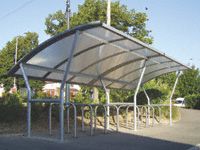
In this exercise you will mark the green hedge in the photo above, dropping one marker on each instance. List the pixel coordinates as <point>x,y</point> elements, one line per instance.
<point>192,101</point>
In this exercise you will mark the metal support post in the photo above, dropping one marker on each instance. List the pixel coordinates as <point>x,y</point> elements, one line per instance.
<point>135,96</point>
<point>117,119</point>
<point>67,13</point>
<point>28,101</point>
<point>67,96</point>
<point>148,109</point>
<point>75,119</point>
<point>82,118</point>
<point>107,91</point>
<point>108,108</point>
<point>50,109</point>
<point>91,120</point>
<point>170,100</point>
<point>127,116</point>
<point>95,117</point>
<point>105,120</point>
<point>74,44</point>
<point>16,50</point>
<point>108,12</point>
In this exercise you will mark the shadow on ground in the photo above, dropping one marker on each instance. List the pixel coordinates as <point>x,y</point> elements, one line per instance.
<point>110,141</point>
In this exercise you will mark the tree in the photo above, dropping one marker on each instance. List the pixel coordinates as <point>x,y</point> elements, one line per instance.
<point>189,82</point>
<point>25,45</point>
<point>129,21</point>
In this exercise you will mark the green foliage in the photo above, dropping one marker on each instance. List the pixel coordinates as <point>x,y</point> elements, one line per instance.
<point>11,108</point>
<point>155,96</point>
<point>11,99</point>
<point>168,79</point>
<point>157,90</point>
<point>189,83</point>
<point>175,113</point>
<point>129,21</point>
<point>120,95</point>
<point>83,96</point>
<point>25,45</point>
<point>192,101</point>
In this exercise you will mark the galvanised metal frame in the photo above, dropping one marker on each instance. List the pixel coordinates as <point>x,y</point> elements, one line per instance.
<point>75,41</point>
<point>105,117</point>
<point>159,112</point>
<point>23,63</point>
<point>107,91</point>
<point>170,100</point>
<point>83,28</point>
<point>148,103</point>
<point>67,96</point>
<point>28,101</point>
<point>135,95</point>
<point>50,126</point>
<point>127,110</point>
<point>144,110</point>
<point>153,113</point>
<point>75,116</point>
<point>90,106</point>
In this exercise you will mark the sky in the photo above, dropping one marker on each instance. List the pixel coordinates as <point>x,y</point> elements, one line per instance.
<point>175,24</point>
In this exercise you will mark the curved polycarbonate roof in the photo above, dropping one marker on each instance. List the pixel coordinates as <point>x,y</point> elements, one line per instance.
<point>100,52</point>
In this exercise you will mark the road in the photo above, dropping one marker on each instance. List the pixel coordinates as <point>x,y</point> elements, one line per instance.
<point>182,135</point>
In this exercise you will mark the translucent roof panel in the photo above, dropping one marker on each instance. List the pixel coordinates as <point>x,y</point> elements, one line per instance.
<point>99,52</point>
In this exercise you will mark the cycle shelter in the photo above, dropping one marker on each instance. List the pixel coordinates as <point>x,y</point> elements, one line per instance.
<point>97,55</point>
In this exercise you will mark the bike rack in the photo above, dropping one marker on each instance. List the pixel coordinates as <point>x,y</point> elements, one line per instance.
<point>159,112</point>
<point>82,116</point>
<point>75,116</point>
<point>141,110</point>
<point>153,114</point>
<point>127,114</point>
<point>95,116</point>
<point>144,108</point>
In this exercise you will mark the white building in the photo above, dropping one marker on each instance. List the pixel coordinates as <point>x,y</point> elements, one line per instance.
<point>1,90</point>
<point>53,89</point>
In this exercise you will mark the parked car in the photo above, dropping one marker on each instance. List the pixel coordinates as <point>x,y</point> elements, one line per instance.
<point>180,102</point>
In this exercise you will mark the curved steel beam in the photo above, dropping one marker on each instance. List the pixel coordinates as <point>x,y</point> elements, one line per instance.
<point>83,51</point>
<point>168,70</point>
<point>103,59</point>
<point>113,69</point>
<point>132,71</point>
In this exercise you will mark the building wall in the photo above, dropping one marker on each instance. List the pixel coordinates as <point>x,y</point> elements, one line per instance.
<point>53,89</point>
<point>1,90</point>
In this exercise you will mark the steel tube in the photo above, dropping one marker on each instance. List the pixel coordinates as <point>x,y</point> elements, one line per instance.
<point>28,101</point>
<point>95,117</point>
<point>153,111</point>
<point>82,119</point>
<point>75,119</point>
<point>66,72</point>
<point>91,119</point>
<point>107,91</point>
<point>135,95</point>
<point>51,101</point>
<point>117,119</point>
<point>170,101</point>
<point>148,103</point>
<point>50,127</point>
<point>67,96</point>
<point>108,12</point>
<point>144,108</point>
